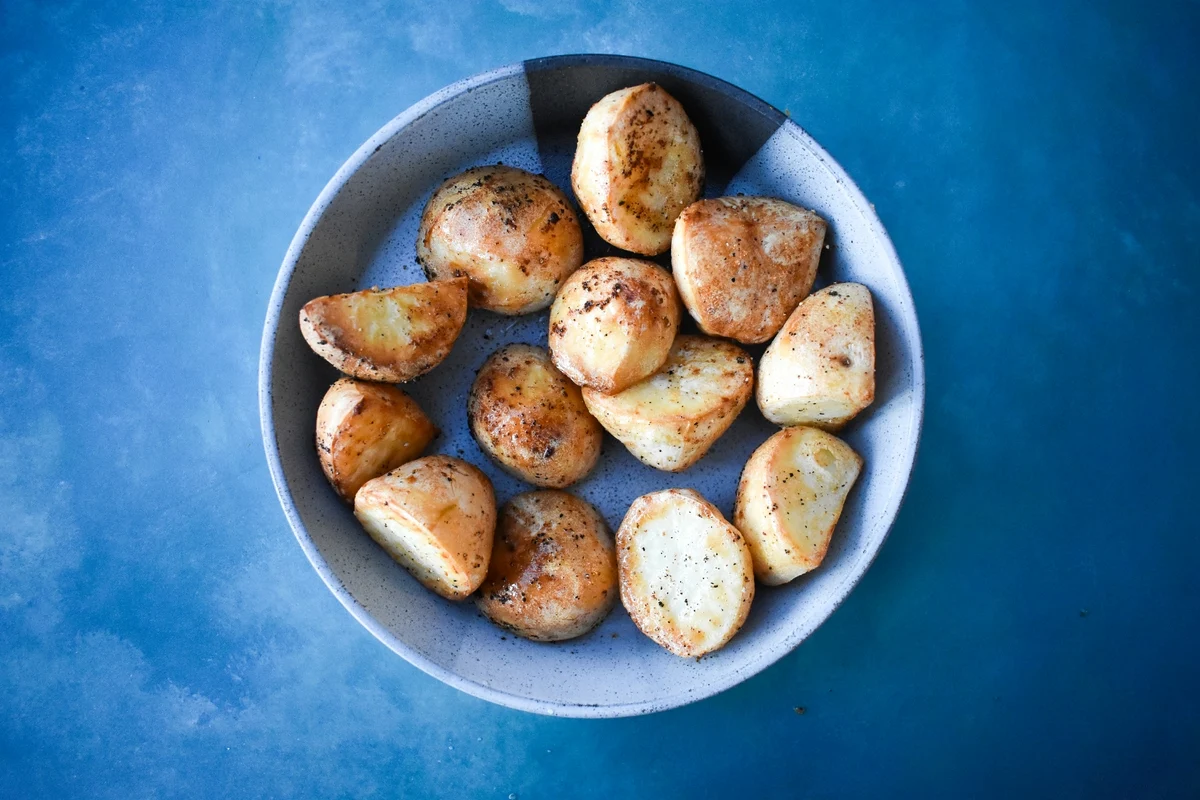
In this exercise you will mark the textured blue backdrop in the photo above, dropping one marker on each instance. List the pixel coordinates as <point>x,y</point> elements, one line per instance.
<point>1031,626</point>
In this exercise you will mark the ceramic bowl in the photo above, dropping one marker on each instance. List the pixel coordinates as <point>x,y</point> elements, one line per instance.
<point>361,232</point>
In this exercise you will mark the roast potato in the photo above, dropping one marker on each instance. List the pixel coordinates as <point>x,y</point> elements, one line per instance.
<point>512,233</point>
<point>527,416</point>
<point>820,370</point>
<point>743,263</point>
<point>670,419</point>
<point>553,574</point>
<point>613,323</point>
<point>685,573</point>
<point>637,164</point>
<point>789,499</point>
<point>436,516</point>
<point>388,335</point>
<point>367,429</point>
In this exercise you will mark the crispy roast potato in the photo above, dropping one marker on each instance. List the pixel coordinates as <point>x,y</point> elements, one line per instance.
<point>743,263</point>
<point>553,574</point>
<point>512,233</point>
<point>820,370</point>
<point>613,323</point>
<point>388,335</point>
<point>367,429</point>
<point>436,516</point>
<point>685,573</point>
<point>527,416</point>
<point>637,164</point>
<point>789,500</point>
<point>670,419</point>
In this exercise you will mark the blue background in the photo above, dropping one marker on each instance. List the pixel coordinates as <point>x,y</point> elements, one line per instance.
<point>1031,626</point>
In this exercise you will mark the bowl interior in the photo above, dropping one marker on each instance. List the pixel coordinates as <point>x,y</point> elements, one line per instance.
<point>361,232</point>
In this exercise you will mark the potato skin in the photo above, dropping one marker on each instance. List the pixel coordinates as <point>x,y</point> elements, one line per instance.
<point>527,416</point>
<point>436,516</point>
<point>790,498</point>
<point>367,429</point>
<point>388,335</point>
<point>512,233</point>
<point>638,163</point>
<point>820,370</point>
<point>553,574</point>
<point>613,323</point>
<point>670,419</point>
<point>742,264</point>
<point>684,572</point>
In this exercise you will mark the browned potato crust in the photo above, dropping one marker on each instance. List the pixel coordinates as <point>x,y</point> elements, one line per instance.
<point>512,233</point>
<point>532,420</point>
<point>367,429</point>
<point>670,419</point>
<point>553,574</point>
<point>685,573</point>
<point>743,263</point>
<point>637,164</point>
<point>613,323</point>
<point>436,516</point>
<point>388,335</point>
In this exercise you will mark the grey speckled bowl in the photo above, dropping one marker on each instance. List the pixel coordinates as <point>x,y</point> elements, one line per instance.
<point>361,232</point>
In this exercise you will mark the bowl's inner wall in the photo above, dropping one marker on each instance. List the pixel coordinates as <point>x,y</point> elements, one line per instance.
<point>366,236</point>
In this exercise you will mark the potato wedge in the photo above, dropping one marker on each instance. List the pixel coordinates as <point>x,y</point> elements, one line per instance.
<point>436,516</point>
<point>820,370</point>
<point>743,263</point>
<point>553,574</point>
<point>789,500</point>
<point>388,335</point>
<point>512,233</point>
<point>670,419</point>
<point>613,323</point>
<point>637,164</point>
<point>685,573</point>
<point>527,416</point>
<point>367,429</point>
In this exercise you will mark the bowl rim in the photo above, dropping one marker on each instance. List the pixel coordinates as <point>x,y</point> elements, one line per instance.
<point>762,659</point>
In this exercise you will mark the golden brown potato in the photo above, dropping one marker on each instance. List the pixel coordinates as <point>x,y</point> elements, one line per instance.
<point>670,419</point>
<point>820,370</point>
<point>613,323</point>
<point>685,573</point>
<point>367,429</point>
<point>637,164</point>
<point>513,234</point>
<point>553,574</point>
<point>789,500</point>
<point>388,335</point>
<point>528,417</point>
<point>436,516</point>
<point>743,263</point>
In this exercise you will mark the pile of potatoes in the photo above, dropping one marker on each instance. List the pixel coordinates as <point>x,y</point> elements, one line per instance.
<point>546,566</point>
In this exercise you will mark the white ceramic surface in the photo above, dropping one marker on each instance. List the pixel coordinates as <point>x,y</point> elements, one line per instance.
<point>361,232</point>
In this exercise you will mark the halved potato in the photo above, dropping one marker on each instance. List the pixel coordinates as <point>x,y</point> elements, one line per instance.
<point>367,429</point>
<point>528,417</point>
<point>743,263</point>
<point>670,419</point>
<point>389,335</point>
<point>685,573</point>
<point>436,516</point>
<point>553,574</point>
<point>613,322</point>
<point>512,233</point>
<point>637,164</point>
<point>789,500</point>
<point>820,370</point>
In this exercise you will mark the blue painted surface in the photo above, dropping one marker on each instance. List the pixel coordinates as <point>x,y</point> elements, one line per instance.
<point>1031,625</point>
